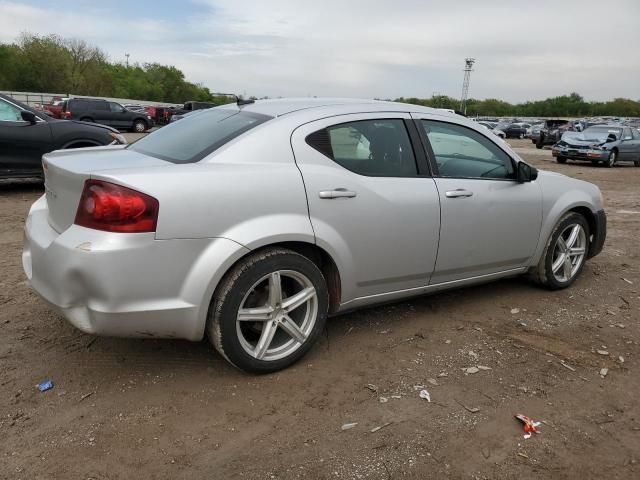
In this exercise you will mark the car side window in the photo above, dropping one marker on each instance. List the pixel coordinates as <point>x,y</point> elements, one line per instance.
<point>99,106</point>
<point>462,152</point>
<point>115,107</point>
<point>626,134</point>
<point>9,113</point>
<point>377,148</point>
<point>636,133</point>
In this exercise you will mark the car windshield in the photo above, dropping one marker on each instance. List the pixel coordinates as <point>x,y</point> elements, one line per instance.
<point>197,135</point>
<point>600,134</point>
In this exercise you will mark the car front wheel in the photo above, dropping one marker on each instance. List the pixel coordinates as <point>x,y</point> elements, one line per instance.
<point>561,159</point>
<point>268,311</point>
<point>611,161</point>
<point>565,253</point>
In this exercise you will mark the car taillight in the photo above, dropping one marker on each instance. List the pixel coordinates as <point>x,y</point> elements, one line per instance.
<point>114,208</point>
<point>67,114</point>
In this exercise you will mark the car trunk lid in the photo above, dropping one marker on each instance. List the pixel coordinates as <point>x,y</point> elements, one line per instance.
<point>65,172</point>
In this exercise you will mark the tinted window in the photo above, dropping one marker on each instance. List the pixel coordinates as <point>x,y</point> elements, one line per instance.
<point>462,152</point>
<point>115,107</point>
<point>75,105</point>
<point>98,106</point>
<point>197,135</point>
<point>378,148</point>
<point>9,113</point>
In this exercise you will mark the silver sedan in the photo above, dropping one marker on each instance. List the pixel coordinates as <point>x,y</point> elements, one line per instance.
<point>252,223</point>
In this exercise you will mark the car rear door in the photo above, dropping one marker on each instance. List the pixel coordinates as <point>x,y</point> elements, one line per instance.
<point>490,223</point>
<point>21,143</point>
<point>372,203</point>
<point>101,113</point>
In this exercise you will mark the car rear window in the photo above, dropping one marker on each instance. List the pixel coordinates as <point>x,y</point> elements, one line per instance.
<point>195,136</point>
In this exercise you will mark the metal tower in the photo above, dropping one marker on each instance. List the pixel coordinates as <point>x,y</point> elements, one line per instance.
<point>468,68</point>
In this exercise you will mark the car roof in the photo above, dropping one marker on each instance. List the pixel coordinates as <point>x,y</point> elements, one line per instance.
<point>283,106</point>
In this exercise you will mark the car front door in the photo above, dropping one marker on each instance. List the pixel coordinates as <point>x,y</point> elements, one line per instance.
<point>372,203</point>
<point>490,223</point>
<point>627,146</point>
<point>21,143</point>
<point>119,116</point>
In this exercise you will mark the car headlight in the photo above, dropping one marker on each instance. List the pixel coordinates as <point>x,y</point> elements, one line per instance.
<point>118,139</point>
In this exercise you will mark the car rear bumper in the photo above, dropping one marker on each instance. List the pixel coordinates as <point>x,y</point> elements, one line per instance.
<point>600,235</point>
<point>129,285</point>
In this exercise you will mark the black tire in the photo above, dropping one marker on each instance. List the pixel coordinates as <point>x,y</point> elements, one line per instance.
<point>611,160</point>
<point>139,126</point>
<point>636,163</point>
<point>561,159</point>
<point>543,273</point>
<point>540,142</point>
<point>237,283</point>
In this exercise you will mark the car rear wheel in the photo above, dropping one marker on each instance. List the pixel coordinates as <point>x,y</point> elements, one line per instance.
<point>139,126</point>
<point>565,253</point>
<point>636,163</point>
<point>611,161</point>
<point>268,311</point>
<point>561,159</point>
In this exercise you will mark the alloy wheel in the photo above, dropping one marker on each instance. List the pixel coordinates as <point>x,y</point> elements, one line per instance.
<point>569,252</point>
<point>277,315</point>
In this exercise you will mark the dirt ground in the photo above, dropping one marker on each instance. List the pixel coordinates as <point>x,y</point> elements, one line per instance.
<point>173,409</point>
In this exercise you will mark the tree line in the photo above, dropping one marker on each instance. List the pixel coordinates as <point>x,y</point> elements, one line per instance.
<point>60,65</point>
<point>573,105</point>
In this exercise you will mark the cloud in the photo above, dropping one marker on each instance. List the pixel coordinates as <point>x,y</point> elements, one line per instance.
<point>367,48</point>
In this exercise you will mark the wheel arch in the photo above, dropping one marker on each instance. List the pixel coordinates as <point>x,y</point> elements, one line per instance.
<point>80,143</point>
<point>320,257</point>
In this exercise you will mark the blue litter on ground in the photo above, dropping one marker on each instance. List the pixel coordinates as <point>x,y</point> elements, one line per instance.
<point>46,385</point>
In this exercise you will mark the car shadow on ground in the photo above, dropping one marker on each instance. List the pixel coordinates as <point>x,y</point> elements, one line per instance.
<point>167,356</point>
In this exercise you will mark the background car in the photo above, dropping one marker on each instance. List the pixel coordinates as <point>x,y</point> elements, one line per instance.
<point>106,113</point>
<point>25,135</point>
<point>533,132</point>
<point>552,131</point>
<point>607,144</point>
<point>251,223</point>
<point>511,130</point>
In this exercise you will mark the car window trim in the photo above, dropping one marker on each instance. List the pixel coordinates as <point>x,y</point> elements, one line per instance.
<point>432,157</point>
<point>38,119</point>
<point>421,171</point>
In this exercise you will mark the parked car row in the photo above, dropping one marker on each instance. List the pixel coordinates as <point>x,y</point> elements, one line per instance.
<point>26,134</point>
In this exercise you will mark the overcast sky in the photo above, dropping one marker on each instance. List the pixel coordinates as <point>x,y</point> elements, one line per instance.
<point>362,48</point>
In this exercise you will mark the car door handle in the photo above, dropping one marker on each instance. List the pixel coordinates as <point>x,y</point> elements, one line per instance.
<point>336,193</point>
<point>460,192</point>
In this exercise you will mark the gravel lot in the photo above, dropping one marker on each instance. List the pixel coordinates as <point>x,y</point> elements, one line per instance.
<point>174,409</point>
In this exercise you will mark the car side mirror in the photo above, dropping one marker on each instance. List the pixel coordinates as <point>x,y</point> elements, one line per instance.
<point>526,173</point>
<point>611,138</point>
<point>28,116</point>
